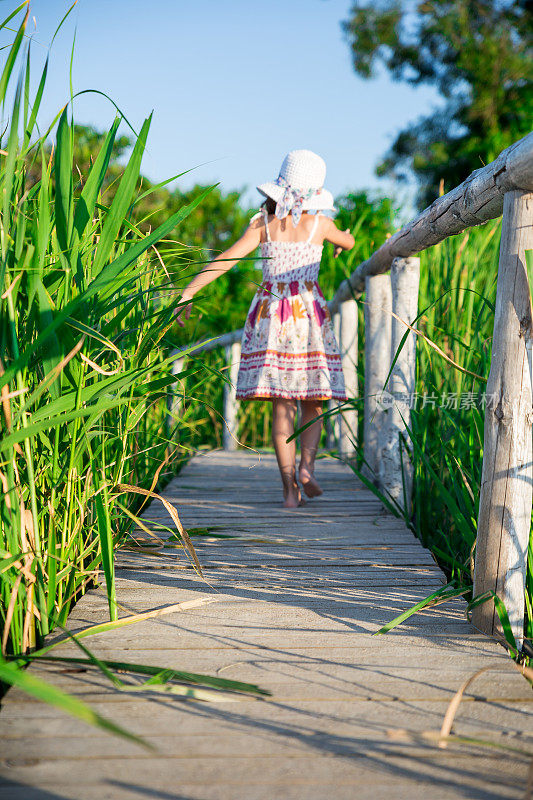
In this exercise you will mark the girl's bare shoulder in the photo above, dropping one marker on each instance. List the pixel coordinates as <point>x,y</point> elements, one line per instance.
<point>325,226</point>
<point>326,223</point>
<point>257,222</point>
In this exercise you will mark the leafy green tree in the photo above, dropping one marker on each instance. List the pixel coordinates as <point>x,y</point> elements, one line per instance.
<point>477,53</point>
<point>87,142</point>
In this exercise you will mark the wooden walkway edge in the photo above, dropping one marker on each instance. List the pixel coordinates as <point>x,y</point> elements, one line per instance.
<point>296,596</point>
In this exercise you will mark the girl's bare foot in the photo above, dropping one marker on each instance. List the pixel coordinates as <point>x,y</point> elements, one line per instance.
<point>310,484</point>
<point>291,492</point>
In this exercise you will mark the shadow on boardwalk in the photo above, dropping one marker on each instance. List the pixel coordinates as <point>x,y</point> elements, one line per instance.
<point>295,600</point>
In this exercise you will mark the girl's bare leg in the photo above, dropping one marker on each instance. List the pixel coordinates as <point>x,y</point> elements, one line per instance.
<point>283,418</point>
<point>309,440</point>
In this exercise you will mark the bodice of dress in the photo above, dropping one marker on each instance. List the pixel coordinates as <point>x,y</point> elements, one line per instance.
<point>290,261</point>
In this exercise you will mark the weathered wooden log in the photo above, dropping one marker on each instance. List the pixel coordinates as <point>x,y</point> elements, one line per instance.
<point>231,404</point>
<point>395,469</point>
<point>476,200</point>
<point>506,482</point>
<point>348,330</point>
<point>378,305</point>
<point>225,340</point>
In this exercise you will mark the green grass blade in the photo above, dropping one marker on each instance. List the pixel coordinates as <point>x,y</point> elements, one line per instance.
<point>447,592</point>
<point>13,51</point>
<point>14,13</point>
<point>13,675</point>
<point>8,182</point>
<point>121,201</point>
<point>94,411</point>
<point>26,88</point>
<point>388,501</point>
<point>502,614</point>
<point>169,674</point>
<point>63,182</point>
<point>109,273</point>
<point>105,534</point>
<point>93,184</point>
<point>91,658</point>
<point>67,14</point>
<point>36,104</point>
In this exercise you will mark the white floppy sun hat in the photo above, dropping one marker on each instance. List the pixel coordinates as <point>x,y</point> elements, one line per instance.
<point>299,185</point>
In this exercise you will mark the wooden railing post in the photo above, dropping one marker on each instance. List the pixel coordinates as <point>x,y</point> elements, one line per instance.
<point>348,330</point>
<point>231,404</point>
<point>395,469</point>
<point>506,492</point>
<point>378,304</point>
<point>332,423</point>
<point>174,397</point>
<point>329,425</point>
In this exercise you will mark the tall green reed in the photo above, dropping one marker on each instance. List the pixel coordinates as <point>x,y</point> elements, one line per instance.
<point>86,306</point>
<point>457,293</point>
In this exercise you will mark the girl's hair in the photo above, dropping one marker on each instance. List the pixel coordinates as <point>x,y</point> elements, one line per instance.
<point>269,205</point>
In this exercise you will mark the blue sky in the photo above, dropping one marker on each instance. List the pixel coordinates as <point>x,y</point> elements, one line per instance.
<point>233,86</point>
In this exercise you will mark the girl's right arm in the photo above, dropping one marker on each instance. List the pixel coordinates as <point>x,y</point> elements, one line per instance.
<point>248,242</point>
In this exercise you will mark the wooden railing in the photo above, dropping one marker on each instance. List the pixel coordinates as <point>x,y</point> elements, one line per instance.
<point>503,186</point>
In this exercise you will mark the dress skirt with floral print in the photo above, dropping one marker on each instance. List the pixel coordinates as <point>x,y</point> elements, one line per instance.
<point>288,346</point>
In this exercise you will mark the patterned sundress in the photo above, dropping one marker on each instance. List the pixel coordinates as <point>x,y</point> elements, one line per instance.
<point>288,346</point>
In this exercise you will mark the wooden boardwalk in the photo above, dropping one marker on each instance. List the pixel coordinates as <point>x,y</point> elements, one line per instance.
<point>296,596</point>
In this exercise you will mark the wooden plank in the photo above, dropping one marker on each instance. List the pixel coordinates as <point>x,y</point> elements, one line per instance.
<point>342,713</point>
<point>298,686</point>
<point>313,790</point>
<point>372,773</point>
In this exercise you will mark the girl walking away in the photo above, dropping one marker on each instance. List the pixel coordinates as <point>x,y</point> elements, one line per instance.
<point>289,351</point>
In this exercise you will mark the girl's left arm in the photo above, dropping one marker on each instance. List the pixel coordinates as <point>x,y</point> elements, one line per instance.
<point>248,242</point>
<point>343,240</point>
